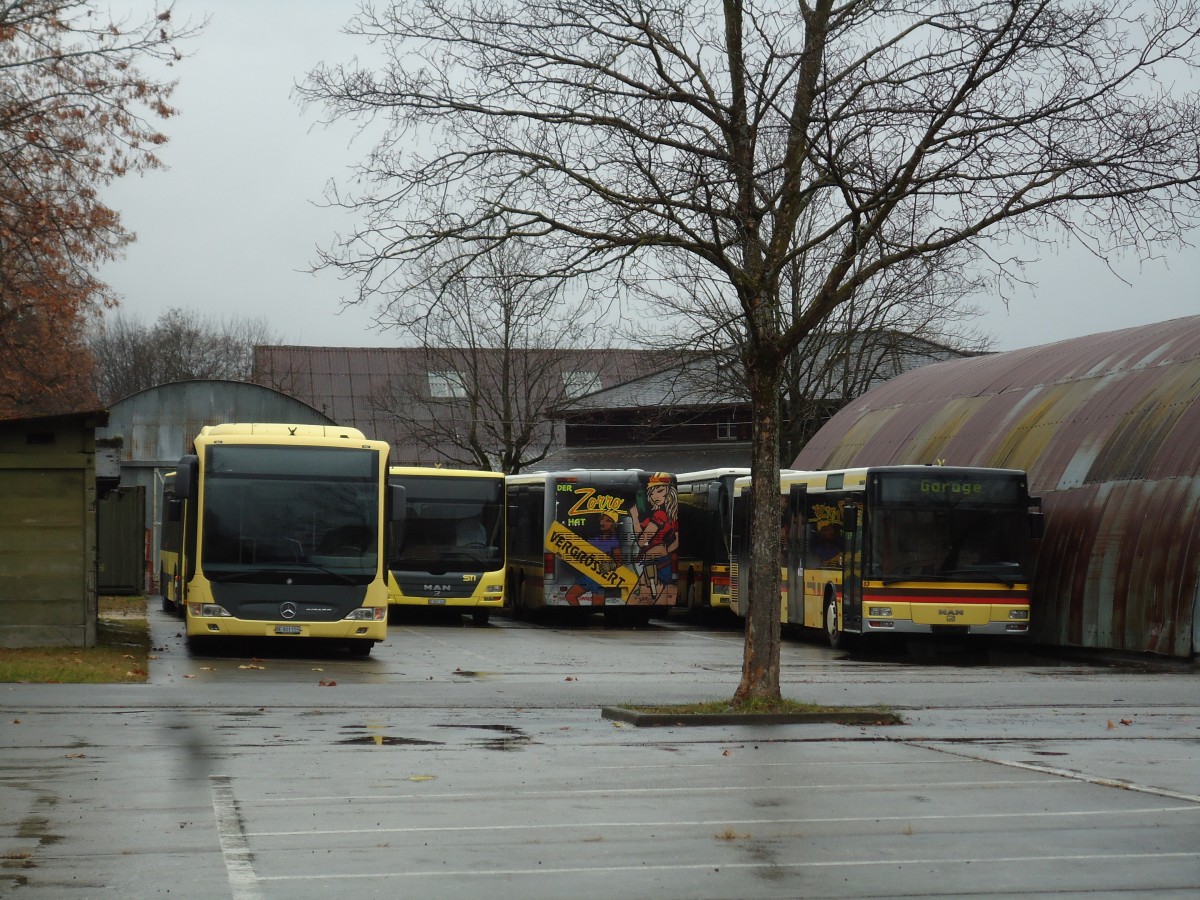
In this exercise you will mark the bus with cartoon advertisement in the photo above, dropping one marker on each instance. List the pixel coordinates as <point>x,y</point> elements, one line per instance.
<point>588,540</point>
<point>450,551</point>
<point>900,550</point>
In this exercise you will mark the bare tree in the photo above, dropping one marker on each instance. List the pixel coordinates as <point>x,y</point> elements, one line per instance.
<point>910,314</point>
<point>503,349</point>
<point>180,346</point>
<point>854,135</point>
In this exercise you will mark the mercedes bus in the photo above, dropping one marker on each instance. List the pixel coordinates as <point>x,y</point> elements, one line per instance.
<point>278,531</point>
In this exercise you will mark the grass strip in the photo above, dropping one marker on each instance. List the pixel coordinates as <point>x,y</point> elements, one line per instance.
<point>121,654</point>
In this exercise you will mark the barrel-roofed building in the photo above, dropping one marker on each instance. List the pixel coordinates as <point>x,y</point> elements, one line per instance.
<point>1108,428</point>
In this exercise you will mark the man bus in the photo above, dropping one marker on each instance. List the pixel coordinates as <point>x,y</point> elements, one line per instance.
<point>900,550</point>
<point>278,531</point>
<point>450,551</point>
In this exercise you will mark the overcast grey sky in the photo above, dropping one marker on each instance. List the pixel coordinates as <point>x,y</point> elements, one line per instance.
<point>229,228</point>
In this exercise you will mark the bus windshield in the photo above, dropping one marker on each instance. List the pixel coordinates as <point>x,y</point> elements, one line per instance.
<point>450,523</point>
<point>303,512</point>
<point>948,528</point>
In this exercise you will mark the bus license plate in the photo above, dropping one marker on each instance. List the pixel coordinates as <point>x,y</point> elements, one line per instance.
<point>437,601</point>
<point>288,629</point>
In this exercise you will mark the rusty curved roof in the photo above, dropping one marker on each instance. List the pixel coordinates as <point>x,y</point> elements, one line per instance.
<point>1108,428</point>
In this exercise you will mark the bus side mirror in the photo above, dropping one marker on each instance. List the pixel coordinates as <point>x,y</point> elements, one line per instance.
<point>398,502</point>
<point>715,495</point>
<point>1037,525</point>
<point>850,517</point>
<point>185,477</point>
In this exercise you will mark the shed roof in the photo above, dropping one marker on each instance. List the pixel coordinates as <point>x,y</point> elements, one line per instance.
<point>1117,405</point>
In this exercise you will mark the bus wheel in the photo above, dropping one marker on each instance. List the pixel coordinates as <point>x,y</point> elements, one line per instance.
<point>517,598</point>
<point>832,632</point>
<point>361,647</point>
<point>480,617</point>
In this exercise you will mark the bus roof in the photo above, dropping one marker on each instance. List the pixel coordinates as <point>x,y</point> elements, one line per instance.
<point>434,472</point>
<point>279,429</point>
<point>709,474</point>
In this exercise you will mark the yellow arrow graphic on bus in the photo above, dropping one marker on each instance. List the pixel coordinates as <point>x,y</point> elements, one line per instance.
<point>590,560</point>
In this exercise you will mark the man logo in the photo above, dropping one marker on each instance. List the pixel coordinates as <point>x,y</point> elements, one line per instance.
<point>288,610</point>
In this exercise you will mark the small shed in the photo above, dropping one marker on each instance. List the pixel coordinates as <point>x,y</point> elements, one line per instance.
<point>1108,427</point>
<point>48,530</point>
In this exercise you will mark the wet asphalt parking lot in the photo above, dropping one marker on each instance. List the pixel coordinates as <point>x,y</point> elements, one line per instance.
<point>475,762</point>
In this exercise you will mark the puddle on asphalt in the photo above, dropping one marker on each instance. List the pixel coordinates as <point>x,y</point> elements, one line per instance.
<point>513,738</point>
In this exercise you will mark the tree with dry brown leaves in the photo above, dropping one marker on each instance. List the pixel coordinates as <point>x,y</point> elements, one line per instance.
<point>76,112</point>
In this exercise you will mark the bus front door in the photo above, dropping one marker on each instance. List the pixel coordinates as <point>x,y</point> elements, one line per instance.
<point>852,570</point>
<point>793,536</point>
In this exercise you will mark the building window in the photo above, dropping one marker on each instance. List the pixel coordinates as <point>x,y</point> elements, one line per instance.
<point>727,430</point>
<point>447,384</point>
<point>576,384</point>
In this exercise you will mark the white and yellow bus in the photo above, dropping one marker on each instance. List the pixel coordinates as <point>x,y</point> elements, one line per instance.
<point>705,510</point>
<point>591,540</point>
<point>278,531</point>
<point>450,551</point>
<point>900,550</point>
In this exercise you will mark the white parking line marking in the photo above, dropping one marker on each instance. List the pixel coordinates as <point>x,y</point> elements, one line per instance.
<point>243,882</point>
<point>708,823</point>
<point>773,866</point>
<point>1073,776</point>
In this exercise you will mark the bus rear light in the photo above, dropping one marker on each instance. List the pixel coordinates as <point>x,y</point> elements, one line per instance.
<point>1013,626</point>
<point>883,623</point>
<point>548,565</point>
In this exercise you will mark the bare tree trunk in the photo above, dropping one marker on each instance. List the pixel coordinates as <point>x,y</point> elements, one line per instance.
<point>760,661</point>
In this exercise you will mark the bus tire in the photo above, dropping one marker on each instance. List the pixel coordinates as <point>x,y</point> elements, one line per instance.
<point>516,592</point>
<point>833,634</point>
<point>361,647</point>
<point>480,617</point>
<point>168,605</point>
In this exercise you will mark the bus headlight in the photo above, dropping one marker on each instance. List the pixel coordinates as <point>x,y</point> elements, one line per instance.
<point>493,589</point>
<point>1018,614</point>
<point>879,611</point>
<point>209,610</point>
<point>368,613</point>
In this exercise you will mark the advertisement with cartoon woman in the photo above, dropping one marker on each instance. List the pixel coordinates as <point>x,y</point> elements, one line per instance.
<point>619,536</point>
<point>656,535</point>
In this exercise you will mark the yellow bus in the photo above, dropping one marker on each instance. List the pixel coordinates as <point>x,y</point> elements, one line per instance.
<point>275,530</point>
<point>450,551</point>
<point>705,507</point>
<point>900,550</point>
<point>590,540</point>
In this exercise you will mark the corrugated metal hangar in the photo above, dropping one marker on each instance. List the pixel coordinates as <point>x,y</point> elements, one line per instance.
<point>1108,428</point>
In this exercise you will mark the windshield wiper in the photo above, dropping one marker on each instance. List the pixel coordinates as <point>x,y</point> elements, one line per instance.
<point>254,574</point>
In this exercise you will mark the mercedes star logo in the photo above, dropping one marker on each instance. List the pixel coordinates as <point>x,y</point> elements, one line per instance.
<point>288,610</point>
